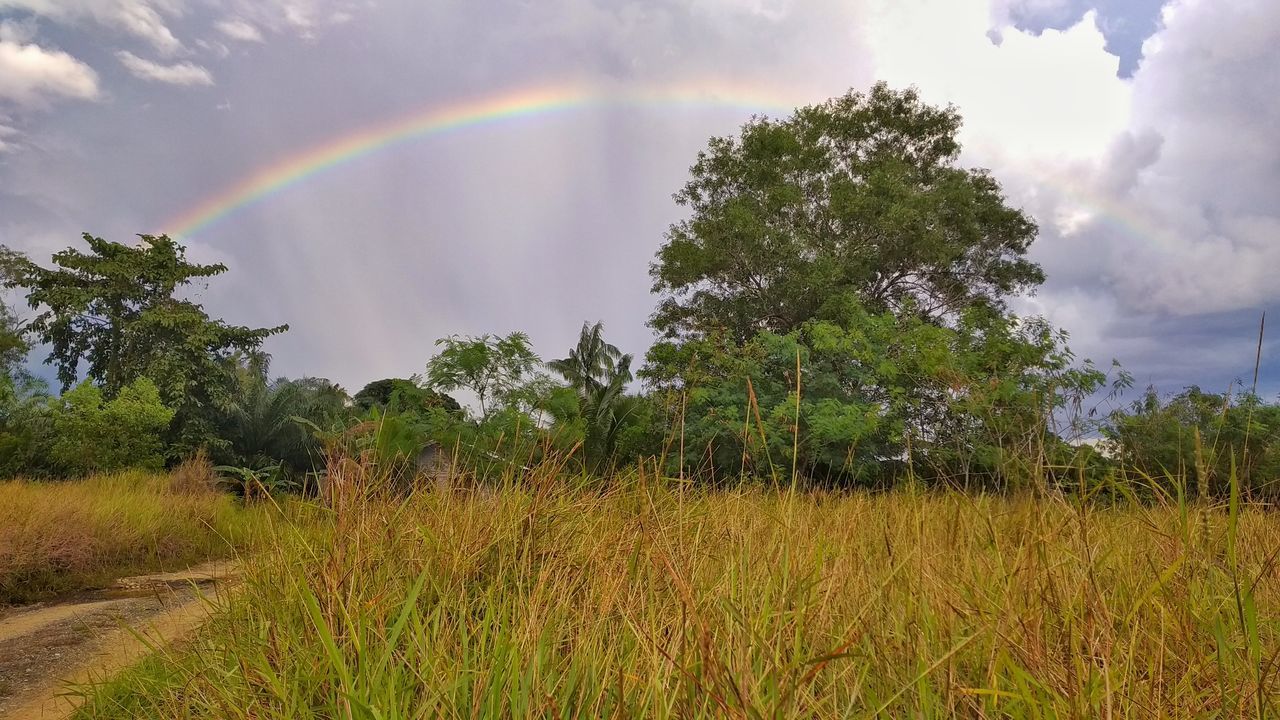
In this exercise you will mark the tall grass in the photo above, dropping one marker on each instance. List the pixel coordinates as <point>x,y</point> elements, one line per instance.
<point>60,536</point>
<point>650,599</point>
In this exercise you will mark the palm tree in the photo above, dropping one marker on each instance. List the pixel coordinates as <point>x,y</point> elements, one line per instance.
<point>261,425</point>
<point>599,373</point>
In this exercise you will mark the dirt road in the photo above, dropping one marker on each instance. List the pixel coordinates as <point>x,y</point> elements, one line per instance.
<point>46,647</point>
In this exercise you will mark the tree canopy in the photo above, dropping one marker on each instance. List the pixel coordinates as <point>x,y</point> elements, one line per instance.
<point>490,366</point>
<point>403,394</point>
<point>834,308</point>
<point>860,196</point>
<point>116,310</point>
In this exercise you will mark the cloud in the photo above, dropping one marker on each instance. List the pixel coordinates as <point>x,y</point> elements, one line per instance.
<point>307,18</point>
<point>238,29</point>
<point>144,19</point>
<point>183,73</point>
<point>1192,226</point>
<point>1028,101</point>
<point>1172,223</point>
<point>32,76</point>
<point>17,31</point>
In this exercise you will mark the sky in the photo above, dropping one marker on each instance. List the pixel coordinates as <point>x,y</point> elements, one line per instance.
<point>1140,134</point>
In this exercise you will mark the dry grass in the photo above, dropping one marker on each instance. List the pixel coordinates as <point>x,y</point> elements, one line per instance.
<point>61,536</point>
<point>643,600</point>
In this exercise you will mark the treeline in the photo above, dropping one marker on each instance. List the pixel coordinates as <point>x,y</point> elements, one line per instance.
<point>833,309</point>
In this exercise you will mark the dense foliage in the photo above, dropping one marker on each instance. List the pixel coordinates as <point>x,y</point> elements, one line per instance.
<point>1204,436</point>
<point>115,310</point>
<point>856,199</point>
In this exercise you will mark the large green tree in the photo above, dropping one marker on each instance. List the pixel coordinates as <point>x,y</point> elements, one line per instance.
<point>846,242</point>
<point>116,314</point>
<point>859,196</point>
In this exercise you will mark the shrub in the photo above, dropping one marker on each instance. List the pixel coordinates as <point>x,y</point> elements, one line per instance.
<point>92,434</point>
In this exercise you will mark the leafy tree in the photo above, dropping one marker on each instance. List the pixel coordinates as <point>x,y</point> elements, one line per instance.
<point>21,397</point>
<point>91,433</point>
<point>21,400</point>
<point>404,394</point>
<point>598,372</point>
<point>859,197</point>
<point>13,342</point>
<point>491,367</point>
<point>845,242</point>
<point>879,396</point>
<point>116,309</point>
<point>13,351</point>
<point>1198,438</point>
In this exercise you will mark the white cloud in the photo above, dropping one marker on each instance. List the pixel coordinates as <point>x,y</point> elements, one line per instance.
<point>32,76</point>
<point>144,19</point>
<point>238,29</point>
<point>304,17</point>
<point>184,73</point>
<point>215,48</point>
<point>1052,97</point>
<point>1190,225</point>
<point>1155,195</point>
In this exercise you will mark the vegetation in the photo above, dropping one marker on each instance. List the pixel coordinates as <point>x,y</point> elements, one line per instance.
<point>1202,435</point>
<point>598,374</point>
<point>856,200</point>
<point>95,435</point>
<point>653,599</point>
<point>115,310</point>
<point>56,537</point>
<point>492,368</point>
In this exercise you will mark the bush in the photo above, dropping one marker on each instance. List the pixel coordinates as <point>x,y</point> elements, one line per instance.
<point>92,434</point>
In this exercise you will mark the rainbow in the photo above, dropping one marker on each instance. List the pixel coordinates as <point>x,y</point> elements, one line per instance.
<point>435,120</point>
<point>526,103</point>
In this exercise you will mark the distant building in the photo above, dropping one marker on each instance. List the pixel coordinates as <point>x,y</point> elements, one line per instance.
<point>433,467</point>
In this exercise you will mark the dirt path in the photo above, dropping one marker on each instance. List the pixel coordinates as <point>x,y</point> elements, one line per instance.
<point>46,646</point>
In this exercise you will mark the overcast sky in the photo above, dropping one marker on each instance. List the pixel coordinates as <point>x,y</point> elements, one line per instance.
<point>1142,136</point>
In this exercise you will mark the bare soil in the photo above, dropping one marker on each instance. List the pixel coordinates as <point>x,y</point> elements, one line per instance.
<point>48,648</point>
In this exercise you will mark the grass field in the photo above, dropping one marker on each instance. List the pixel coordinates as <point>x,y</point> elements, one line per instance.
<point>642,600</point>
<point>64,536</point>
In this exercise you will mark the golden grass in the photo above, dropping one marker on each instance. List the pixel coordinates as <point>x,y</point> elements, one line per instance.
<point>61,536</point>
<point>648,601</point>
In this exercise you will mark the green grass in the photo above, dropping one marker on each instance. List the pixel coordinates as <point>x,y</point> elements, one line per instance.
<point>66,536</point>
<point>541,600</point>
